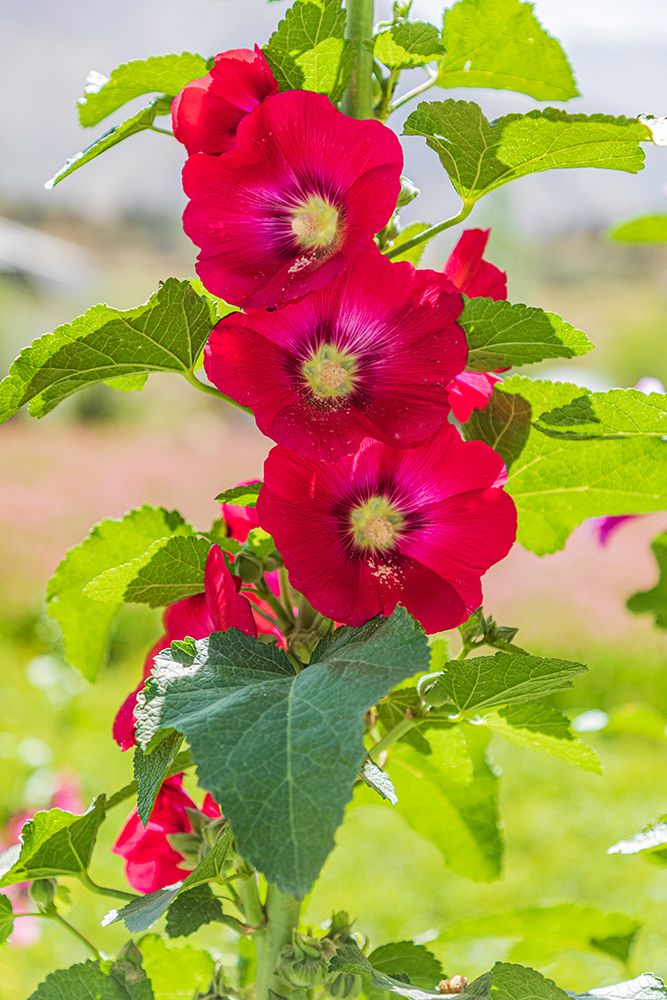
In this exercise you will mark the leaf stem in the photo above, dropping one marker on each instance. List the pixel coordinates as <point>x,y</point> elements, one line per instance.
<point>162,131</point>
<point>210,390</point>
<point>58,918</point>
<point>432,231</point>
<point>415,92</point>
<point>394,734</point>
<point>103,890</point>
<point>358,99</point>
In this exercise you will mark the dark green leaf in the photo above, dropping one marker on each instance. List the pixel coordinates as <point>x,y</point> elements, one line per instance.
<point>170,570</point>
<point>350,959</point>
<point>308,51</point>
<point>645,229</point>
<point>139,914</point>
<point>486,682</point>
<point>393,710</point>
<point>480,156</point>
<point>53,843</point>
<point>501,44</point>
<point>506,335</point>
<point>244,495</point>
<point>6,917</point>
<point>139,122</point>
<point>166,334</point>
<point>111,544</point>
<point>403,958</point>
<point>96,981</point>
<point>150,770</point>
<point>408,44</point>
<point>165,75</point>
<point>557,483</point>
<point>253,725</point>
<point>541,727</point>
<point>654,601</point>
<point>191,910</point>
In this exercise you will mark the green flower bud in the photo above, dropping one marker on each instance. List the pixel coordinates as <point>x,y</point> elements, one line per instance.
<point>344,986</point>
<point>249,568</point>
<point>303,963</point>
<point>43,892</point>
<point>408,192</point>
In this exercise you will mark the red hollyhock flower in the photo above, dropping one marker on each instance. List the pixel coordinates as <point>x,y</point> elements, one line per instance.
<point>476,278</point>
<point>416,527</point>
<point>151,862</point>
<point>220,607</point>
<point>367,356</point>
<point>303,191</point>
<point>206,113</point>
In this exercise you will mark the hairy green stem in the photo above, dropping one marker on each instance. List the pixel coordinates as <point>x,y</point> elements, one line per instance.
<point>415,92</point>
<point>210,390</point>
<point>103,890</point>
<point>358,100</point>
<point>282,916</point>
<point>432,230</point>
<point>59,919</point>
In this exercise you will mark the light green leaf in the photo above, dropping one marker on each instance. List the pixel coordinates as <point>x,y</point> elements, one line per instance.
<point>139,122</point>
<point>53,843</point>
<point>150,771</point>
<point>415,254</point>
<point>506,335</point>
<point>170,570</point>
<point>480,156</point>
<point>541,727</point>
<point>514,982</point>
<point>619,413</point>
<point>557,483</point>
<point>244,495</point>
<point>455,809</point>
<point>404,958</point>
<point>308,51</point>
<point>165,335</point>
<point>248,720</point>
<point>651,841</point>
<point>6,918</point>
<point>139,914</point>
<point>408,44</point>
<point>645,229</point>
<point>176,972</point>
<point>85,622</point>
<point>501,44</point>
<point>164,75</point>
<point>486,682</point>
<point>351,960</point>
<point>654,601</point>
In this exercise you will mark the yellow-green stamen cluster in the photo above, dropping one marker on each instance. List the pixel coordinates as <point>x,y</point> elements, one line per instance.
<point>315,223</point>
<point>330,372</point>
<point>376,524</point>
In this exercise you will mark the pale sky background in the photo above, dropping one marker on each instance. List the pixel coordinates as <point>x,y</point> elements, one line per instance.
<point>617,49</point>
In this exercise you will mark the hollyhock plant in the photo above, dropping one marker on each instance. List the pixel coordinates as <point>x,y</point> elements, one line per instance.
<point>417,527</point>
<point>303,192</point>
<point>476,278</point>
<point>151,862</point>
<point>218,608</point>
<point>370,355</point>
<point>207,113</point>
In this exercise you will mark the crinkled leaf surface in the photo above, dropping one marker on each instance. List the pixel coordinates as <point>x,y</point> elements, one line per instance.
<point>165,75</point>
<point>409,44</point>
<point>166,334</point>
<point>541,727</point>
<point>85,621</point>
<point>280,751</point>
<point>170,570</point>
<point>501,44</point>
<point>404,958</point>
<point>644,229</point>
<point>350,959</point>
<point>507,335</point>
<point>191,910</point>
<point>139,122</point>
<point>124,980</point>
<point>486,682</point>
<point>480,155</point>
<point>654,601</point>
<point>619,413</point>
<point>150,771</point>
<point>308,50</point>
<point>558,482</point>
<point>54,842</point>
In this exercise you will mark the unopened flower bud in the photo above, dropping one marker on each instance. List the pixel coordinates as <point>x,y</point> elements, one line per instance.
<point>249,569</point>
<point>303,964</point>
<point>344,986</point>
<point>43,893</point>
<point>408,192</point>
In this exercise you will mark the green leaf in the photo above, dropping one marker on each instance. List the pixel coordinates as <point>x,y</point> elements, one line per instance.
<point>456,809</point>
<point>244,495</point>
<point>645,229</point>
<point>393,710</point>
<point>140,913</point>
<point>165,335</point>
<point>124,980</point>
<point>541,727</point>
<point>415,254</point>
<point>139,122</point>
<point>350,959</point>
<point>150,770</point>
<point>645,987</point>
<point>652,840</point>
<point>6,917</point>
<point>308,51</point>
<point>619,413</point>
<point>170,570</point>
<point>403,958</point>
<point>514,982</point>
<point>480,156</point>
<point>408,44</point>
<point>250,723</point>
<point>557,483</point>
<point>654,601</point>
<point>486,682</point>
<point>176,972</point>
<point>53,843</point>
<point>165,75</point>
<point>506,335</point>
<point>501,44</point>
<point>192,910</point>
<point>85,622</point>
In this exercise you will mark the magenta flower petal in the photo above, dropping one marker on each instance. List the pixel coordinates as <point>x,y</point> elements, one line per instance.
<point>302,192</point>
<point>370,355</point>
<point>470,391</point>
<point>207,113</point>
<point>470,273</point>
<point>387,526</point>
